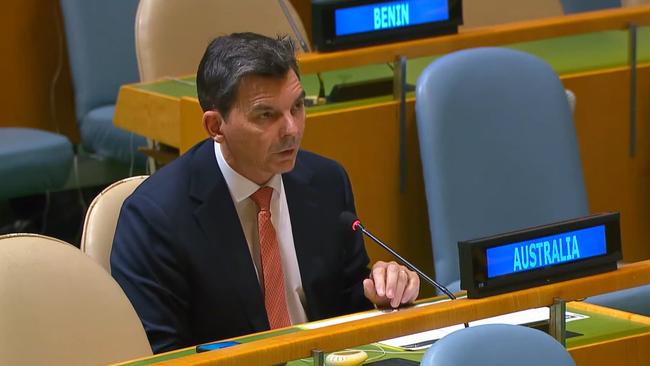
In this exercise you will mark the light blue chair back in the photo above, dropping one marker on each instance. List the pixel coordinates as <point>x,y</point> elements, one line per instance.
<point>497,345</point>
<point>498,149</point>
<point>101,48</point>
<point>579,6</point>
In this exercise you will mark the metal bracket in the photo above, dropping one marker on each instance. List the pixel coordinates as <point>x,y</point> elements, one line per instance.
<point>632,61</point>
<point>557,321</point>
<point>318,356</point>
<point>399,93</point>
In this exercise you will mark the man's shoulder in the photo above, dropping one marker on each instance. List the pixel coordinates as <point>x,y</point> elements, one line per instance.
<point>174,179</point>
<point>312,160</point>
<point>317,169</point>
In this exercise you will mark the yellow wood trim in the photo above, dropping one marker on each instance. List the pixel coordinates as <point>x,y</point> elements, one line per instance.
<point>148,113</point>
<point>523,31</point>
<point>282,348</point>
<point>631,350</point>
<point>585,306</point>
<point>597,72</point>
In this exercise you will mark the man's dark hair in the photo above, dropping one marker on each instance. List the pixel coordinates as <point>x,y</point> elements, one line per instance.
<point>229,58</point>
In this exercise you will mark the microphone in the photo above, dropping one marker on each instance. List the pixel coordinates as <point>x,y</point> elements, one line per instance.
<point>350,220</point>
<point>294,27</point>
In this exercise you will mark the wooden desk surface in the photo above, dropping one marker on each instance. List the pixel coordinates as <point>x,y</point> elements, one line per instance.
<point>291,344</point>
<point>484,36</point>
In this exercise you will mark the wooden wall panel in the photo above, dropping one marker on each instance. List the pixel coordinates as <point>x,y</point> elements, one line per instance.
<point>33,52</point>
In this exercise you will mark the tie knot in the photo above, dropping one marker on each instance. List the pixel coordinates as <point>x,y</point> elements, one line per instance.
<point>262,198</point>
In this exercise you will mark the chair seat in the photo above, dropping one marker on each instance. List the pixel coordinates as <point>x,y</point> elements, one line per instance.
<point>632,300</point>
<point>33,161</point>
<point>100,136</point>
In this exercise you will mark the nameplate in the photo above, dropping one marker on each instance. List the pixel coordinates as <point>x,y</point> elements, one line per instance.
<point>352,23</point>
<point>540,255</point>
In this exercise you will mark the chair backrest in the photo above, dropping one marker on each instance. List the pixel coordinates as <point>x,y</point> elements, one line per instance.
<point>101,49</point>
<point>497,345</point>
<point>171,36</point>
<point>58,307</point>
<point>101,220</point>
<point>579,6</point>
<point>498,148</point>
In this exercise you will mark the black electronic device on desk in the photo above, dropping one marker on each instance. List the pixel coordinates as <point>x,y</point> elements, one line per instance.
<point>339,24</point>
<point>540,255</point>
<point>345,92</point>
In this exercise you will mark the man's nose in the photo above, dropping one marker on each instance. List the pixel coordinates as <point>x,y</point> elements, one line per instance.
<point>291,125</point>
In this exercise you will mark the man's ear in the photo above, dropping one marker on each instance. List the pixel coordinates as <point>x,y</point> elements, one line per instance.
<point>212,122</point>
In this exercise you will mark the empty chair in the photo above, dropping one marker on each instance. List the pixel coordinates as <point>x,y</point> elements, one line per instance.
<point>33,161</point>
<point>101,220</point>
<point>58,307</point>
<point>102,57</point>
<point>497,345</point>
<point>498,149</point>
<point>579,6</point>
<point>171,36</point>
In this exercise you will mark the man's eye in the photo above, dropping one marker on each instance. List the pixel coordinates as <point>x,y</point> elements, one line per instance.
<point>298,105</point>
<point>265,115</point>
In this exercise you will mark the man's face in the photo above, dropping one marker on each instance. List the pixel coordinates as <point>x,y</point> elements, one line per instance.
<point>261,135</point>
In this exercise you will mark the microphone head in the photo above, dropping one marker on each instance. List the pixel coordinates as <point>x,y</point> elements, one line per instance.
<point>349,220</point>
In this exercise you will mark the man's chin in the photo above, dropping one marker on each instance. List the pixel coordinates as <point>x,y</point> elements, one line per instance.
<point>286,163</point>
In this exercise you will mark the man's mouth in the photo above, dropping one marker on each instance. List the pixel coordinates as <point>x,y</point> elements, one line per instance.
<point>288,151</point>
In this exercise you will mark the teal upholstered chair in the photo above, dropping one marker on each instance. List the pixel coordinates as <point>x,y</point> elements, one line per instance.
<point>32,161</point>
<point>498,148</point>
<point>499,153</point>
<point>579,6</point>
<point>497,345</point>
<point>101,49</point>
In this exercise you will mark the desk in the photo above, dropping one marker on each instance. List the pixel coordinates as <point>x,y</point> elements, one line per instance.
<point>610,337</point>
<point>362,135</point>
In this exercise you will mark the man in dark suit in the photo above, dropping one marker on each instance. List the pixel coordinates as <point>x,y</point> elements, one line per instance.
<point>202,257</point>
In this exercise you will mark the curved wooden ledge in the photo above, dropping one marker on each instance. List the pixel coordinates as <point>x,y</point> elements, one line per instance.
<point>279,349</point>
<point>530,30</point>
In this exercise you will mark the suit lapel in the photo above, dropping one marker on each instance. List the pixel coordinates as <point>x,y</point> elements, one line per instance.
<point>218,219</point>
<point>303,209</point>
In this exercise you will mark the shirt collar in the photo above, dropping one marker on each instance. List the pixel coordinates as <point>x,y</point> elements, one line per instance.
<point>239,186</point>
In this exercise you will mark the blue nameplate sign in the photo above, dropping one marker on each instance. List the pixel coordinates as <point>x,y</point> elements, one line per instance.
<point>351,23</point>
<point>540,255</point>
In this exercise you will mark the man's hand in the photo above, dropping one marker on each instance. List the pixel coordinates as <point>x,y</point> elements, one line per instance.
<point>391,284</point>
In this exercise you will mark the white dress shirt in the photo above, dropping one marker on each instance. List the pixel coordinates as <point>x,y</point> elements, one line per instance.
<point>240,189</point>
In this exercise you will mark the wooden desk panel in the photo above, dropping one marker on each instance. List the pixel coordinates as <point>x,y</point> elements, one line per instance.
<point>295,345</point>
<point>614,180</point>
<point>478,37</point>
<point>629,350</point>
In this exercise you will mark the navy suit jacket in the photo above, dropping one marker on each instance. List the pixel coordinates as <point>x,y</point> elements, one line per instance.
<point>182,259</point>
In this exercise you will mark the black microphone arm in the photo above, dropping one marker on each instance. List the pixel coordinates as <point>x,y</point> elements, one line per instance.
<point>350,219</point>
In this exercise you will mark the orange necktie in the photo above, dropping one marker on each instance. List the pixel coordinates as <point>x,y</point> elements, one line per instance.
<point>273,276</point>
